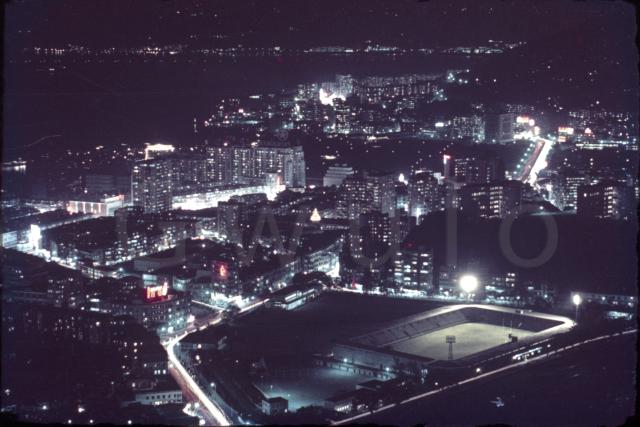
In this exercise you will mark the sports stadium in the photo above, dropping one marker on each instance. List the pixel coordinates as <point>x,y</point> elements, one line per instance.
<point>450,336</point>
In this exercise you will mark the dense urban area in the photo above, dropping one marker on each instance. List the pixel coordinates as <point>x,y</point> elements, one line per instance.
<point>385,230</point>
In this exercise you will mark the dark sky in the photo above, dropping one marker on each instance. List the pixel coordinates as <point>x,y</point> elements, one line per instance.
<point>302,22</point>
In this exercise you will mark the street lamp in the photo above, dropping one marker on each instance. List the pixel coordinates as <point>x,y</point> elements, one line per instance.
<point>469,284</point>
<point>577,300</point>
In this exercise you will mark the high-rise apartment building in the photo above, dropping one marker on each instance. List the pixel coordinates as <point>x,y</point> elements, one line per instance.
<point>495,200</point>
<point>476,170</point>
<point>413,268</point>
<point>607,200</point>
<point>152,185</point>
<point>369,191</point>
<point>499,128</point>
<point>424,194</point>
<point>238,165</point>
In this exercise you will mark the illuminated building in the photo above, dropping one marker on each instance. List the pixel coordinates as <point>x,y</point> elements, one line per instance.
<point>475,170</point>
<point>424,194</point>
<point>110,240</point>
<point>344,118</point>
<point>156,307</point>
<point>14,166</point>
<point>369,191</point>
<point>213,197</point>
<point>336,175</point>
<point>320,252</point>
<point>294,296</point>
<point>495,200</point>
<point>104,207</point>
<point>308,91</point>
<point>289,161</point>
<point>382,190</point>
<point>315,216</point>
<point>355,198</point>
<point>606,200</point>
<point>316,252</point>
<point>448,278</point>
<point>375,228</point>
<point>345,84</point>
<point>402,196</point>
<point>501,284</point>
<point>413,268</point>
<point>76,325</point>
<point>603,143</point>
<point>152,185</point>
<point>564,189</point>
<point>32,280</point>
<point>275,405</point>
<point>231,216</point>
<point>153,151</point>
<point>238,165</point>
<point>375,90</point>
<point>187,171</point>
<point>327,96</point>
<point>25,232</point>
<point>620,302</point>
<point>218,164</point>
<point>158,396</point>
<point>471,127</point>
<point>499,128</point>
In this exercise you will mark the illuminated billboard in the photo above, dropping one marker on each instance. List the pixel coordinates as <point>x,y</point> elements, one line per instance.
<point>157,292</point>
<point>220,271</point>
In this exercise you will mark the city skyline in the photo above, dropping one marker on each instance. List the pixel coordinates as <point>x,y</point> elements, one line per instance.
<point>285,213</point>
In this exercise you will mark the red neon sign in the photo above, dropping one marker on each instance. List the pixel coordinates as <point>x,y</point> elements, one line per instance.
<point>220,270</point>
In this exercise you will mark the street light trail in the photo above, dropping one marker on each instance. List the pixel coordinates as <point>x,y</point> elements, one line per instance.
<point>214,410</point>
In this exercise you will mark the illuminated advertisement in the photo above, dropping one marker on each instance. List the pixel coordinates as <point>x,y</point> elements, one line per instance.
<point>157,292</point>
<point>220,270</point>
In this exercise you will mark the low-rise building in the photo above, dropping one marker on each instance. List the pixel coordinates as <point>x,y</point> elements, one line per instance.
<point>275,405</point>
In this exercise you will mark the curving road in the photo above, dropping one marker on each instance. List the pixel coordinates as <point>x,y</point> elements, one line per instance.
<point>543,356</point>
<point>214,415</point>
<point>211,412</point>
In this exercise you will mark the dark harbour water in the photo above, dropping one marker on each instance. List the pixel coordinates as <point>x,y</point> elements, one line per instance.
<point>102,103</point>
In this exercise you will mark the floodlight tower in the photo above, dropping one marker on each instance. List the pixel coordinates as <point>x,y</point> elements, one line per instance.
<point>450,339</point>
<point>469,284</point>
<point>577,300</point>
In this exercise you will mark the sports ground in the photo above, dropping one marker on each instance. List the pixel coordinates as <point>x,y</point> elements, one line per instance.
<point>471,337</point>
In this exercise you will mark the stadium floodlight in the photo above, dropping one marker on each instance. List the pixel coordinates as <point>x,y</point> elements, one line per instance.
<point>577,300</point>
<point>469,283</point>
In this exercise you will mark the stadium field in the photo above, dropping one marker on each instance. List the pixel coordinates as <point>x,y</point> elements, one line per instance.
<point>471,338</point>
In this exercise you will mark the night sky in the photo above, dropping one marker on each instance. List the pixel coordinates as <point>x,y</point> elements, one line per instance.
<point>291,23</point>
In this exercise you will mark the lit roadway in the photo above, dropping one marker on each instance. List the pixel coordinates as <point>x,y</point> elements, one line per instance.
<point>214,414</point>
<point>537,160</point>
<point>211,412</point>
<point>483,376</point>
